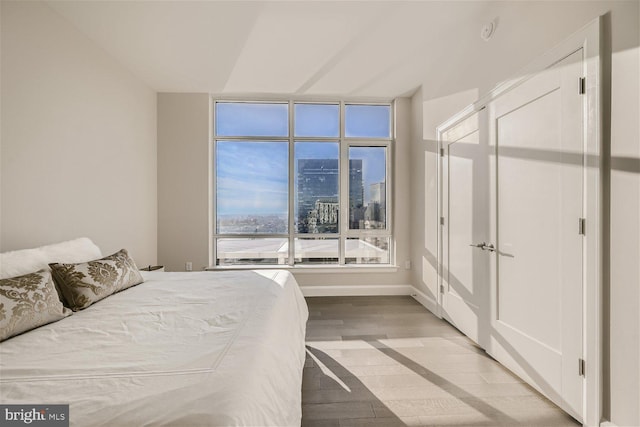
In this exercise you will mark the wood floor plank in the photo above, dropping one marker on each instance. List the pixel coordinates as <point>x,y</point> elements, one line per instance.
<point>381,422</point>
<point>387,361</point>
<point>332,422</point>
<point>339,410</point>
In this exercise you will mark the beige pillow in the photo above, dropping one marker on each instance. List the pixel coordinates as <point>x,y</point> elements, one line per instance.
<point>84,283</point>
<point>27,302</point>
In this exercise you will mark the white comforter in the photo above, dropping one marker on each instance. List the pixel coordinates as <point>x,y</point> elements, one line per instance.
<point>187,349</point>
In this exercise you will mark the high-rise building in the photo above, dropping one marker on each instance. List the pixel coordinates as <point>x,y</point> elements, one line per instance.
<point>356,193</point>
<point>378,193</point>
<point>377,207</point>
<point>356,186</point>
<point>319,179</point>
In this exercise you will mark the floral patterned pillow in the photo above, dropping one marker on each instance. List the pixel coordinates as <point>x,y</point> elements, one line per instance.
<point>28,301</point>
<point>84,283</point>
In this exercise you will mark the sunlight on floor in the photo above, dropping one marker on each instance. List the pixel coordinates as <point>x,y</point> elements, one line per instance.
<point>388,362</point>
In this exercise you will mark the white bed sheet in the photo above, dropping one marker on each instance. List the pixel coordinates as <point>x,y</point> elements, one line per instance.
<point>187,349</point>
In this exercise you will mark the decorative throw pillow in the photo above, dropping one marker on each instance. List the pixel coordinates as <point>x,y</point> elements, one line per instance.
<point>27,302</point>
<point>85,283</point>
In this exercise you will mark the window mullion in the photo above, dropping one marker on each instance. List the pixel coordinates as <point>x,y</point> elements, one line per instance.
<point>344,190</point>
<point>390,199</point>
<point>292,241</point>
<point>213,191</point>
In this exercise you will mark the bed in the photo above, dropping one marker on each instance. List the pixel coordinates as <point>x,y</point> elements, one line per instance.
<point>187,349</point>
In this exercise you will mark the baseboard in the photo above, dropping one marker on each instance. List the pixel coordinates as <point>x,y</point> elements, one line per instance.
<point>371,290</point>
<point>428,302</point>
<point>607,424</point>
<point>354,290</point>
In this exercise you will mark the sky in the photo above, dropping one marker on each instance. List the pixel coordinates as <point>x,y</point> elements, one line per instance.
<point>252,177</point>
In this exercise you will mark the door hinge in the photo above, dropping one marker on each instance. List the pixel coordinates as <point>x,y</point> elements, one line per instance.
<point>581,367</point>
<point>442,289</point>
<point>441,220</point>
<point>582,85</point>
<point>442,152</point>
<point>582,226</point>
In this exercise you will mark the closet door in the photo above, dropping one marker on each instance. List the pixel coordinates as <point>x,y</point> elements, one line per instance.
<point>537,197</point>
<point>465,228</point>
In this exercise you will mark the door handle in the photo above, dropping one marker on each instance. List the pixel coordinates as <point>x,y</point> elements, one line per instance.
<point>485,247</point>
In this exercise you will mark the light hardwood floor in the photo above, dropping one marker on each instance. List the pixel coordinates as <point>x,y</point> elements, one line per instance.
<point>387,361</point>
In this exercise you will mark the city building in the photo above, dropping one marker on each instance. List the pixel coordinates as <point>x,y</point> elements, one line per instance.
<point>319,180</point>
<point>377,207</point>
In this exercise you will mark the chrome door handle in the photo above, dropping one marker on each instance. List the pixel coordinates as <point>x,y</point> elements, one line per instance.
<point>489,247</point>
<point>484,247</point>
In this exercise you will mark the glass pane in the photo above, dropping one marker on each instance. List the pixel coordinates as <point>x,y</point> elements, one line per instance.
<point>252,251</point>
<point>367,250</point>
<point>316,120</point>
<point>317,187</point>
<point>367,188</point>
<point>252,186</point>
<point>316,251</point>
<point>247,119</point>
<point>367,121</point>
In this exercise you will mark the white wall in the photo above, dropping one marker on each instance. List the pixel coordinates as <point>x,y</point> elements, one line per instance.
<point>78,140</point>
<point>624,269</point>
<point>512,51</point>
<point>183,177</point>
<point>183,191</point>
<point>426,116</point>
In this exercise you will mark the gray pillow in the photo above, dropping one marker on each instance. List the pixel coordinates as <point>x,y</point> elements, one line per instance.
<point>28,301</point>
<point>84,283</point>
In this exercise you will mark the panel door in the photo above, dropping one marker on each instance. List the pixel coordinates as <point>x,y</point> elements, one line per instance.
<point>537,199</point>
<point>464,289</point>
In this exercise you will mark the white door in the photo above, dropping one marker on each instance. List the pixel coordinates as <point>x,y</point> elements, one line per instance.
<point>537,196</point>
<point>464,290</point>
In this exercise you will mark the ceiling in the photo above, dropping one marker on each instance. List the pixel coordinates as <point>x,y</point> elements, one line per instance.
<point>372,49</point>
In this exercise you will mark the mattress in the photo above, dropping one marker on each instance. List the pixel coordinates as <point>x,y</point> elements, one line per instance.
<point>187,349</point>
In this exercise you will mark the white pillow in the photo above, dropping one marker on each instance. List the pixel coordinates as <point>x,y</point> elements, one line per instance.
<point>25,261</point>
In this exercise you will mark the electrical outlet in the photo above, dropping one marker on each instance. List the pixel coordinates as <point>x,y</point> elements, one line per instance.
<point>188,266</point>
<point>407,265</point>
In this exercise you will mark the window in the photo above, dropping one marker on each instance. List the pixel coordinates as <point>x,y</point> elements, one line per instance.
<point>301,183</point>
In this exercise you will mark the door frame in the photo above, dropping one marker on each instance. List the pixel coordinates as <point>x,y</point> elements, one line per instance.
<point>588,39</point>
<point>448,312</point>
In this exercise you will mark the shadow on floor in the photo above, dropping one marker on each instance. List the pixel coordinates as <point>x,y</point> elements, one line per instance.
<point>374,382</point>
<point>461,394</point>
<point>333,397</point>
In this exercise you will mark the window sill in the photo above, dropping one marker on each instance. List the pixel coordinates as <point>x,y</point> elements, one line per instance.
<point>315,269</point>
